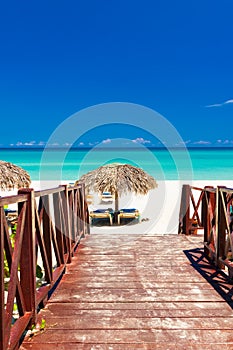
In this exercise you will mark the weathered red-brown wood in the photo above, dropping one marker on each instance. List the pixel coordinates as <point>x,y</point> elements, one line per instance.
<point>120,292</point>
<point>35,233</point>
<point>2,310</point>
<point>28,256</point>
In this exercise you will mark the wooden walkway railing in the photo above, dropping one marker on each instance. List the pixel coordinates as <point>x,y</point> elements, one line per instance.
<point>50,224</point>
<point>211,212</point>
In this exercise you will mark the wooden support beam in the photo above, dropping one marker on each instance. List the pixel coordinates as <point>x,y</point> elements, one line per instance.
<point>222,226</point>
<point>47,237</point>
<point>28,255</point>
<point>184,216</point>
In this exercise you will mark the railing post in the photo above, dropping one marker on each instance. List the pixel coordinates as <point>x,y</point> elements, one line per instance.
<point>71,213</point>
<point>47,237</point>
<point>58,225</point>
<point>221,227</point>
<point>184,216</point>
<point>205,219</point>
<point>83,219</point>
<point>67,221</point>
<point>84,212</point>
<point>2,308</point>
<point>75,214</point>
<point>28,255</point>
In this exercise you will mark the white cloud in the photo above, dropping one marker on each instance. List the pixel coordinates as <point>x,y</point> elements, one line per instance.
<point>202,142</point>
<point>20,143</point>
<point>227,102</point>
<point>55,144</point>
<point>220,104</point>
<point>81,144</point>
<point>31,143</point>
<point>226,142</point>
<point>107,141</point>
<point>141,140</point>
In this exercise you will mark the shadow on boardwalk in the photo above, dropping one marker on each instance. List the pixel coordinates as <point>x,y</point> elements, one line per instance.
<point>216,277</point>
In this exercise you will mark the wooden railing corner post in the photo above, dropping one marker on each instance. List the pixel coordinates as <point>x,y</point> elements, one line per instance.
<point>28,255</point>
<point>184,216</point>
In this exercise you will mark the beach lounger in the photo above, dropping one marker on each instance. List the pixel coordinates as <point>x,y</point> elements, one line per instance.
<point>101,214</point>
<point>128,214</point>
<point>106,197</point>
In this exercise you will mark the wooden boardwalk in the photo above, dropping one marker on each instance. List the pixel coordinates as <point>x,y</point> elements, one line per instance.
<point>138,292</point>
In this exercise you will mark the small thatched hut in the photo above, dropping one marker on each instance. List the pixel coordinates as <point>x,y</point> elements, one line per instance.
<point>12,176</point>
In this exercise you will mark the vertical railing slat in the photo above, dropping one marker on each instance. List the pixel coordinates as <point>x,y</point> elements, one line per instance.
<point>47,237</point>
<point>41,244</point>
<point>2,307</point>
<point>222,227</point>
<point>67,222</point>
<point>28,255</point>
<point>58,225</point>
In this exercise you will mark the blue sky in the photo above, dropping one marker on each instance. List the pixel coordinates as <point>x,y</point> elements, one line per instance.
<point>58,57</point>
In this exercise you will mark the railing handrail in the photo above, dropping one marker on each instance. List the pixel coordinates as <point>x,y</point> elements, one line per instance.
<point>17,198</point>
<point>52,226</point>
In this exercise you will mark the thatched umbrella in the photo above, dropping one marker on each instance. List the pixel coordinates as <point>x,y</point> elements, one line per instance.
<point>12,176</point>
<point>118,179</point>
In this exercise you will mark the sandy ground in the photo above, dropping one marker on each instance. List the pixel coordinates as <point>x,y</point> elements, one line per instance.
<point>159,208</point>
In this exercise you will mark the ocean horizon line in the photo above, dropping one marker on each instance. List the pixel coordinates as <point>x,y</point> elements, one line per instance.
<point>57,148</point>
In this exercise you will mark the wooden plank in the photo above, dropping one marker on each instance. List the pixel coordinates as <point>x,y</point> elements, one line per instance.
<point>135,346</point>
<point>140,306</point>
<point>133,295</point>
<point>132,336</point>
<point>138,310</point>
<point>165,323</point>
<point>122,293</point>
<point>122,284</point>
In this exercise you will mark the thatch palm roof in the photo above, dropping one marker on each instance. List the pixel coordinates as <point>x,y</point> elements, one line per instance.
<point>118,179</point>
<point>12,176</point>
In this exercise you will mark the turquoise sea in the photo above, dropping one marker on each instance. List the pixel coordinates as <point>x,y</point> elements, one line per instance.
<point>177,164</point>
